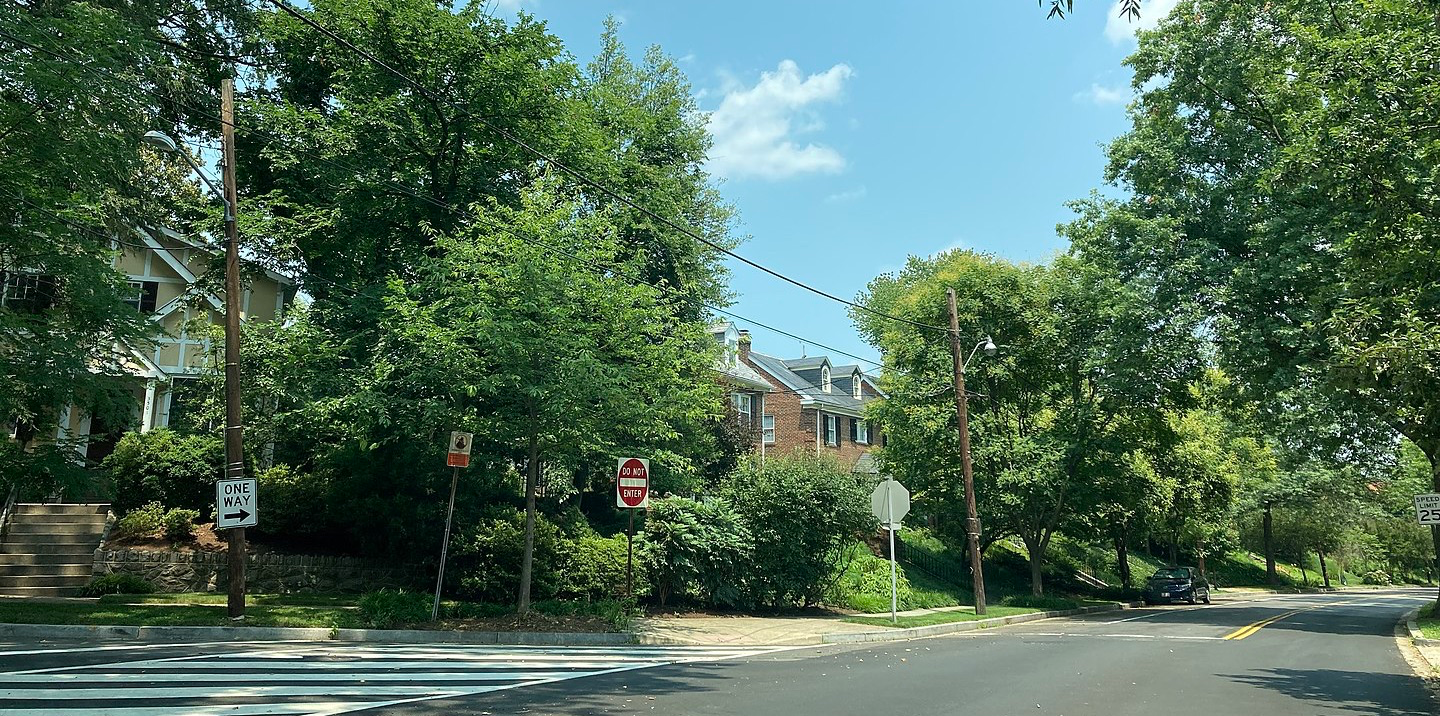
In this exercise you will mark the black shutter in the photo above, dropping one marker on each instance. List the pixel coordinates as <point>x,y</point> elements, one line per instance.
<point>854,430</point>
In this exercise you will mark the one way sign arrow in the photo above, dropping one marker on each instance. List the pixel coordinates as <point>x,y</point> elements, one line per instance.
<point>235,503</point>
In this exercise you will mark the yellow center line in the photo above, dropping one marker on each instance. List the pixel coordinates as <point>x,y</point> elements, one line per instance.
<point>1253,627</point>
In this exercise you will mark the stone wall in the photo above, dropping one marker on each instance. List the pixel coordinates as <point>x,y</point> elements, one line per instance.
<point>265,573</point>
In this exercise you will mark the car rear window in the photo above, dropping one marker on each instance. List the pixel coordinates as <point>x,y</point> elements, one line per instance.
<point>1171,574</point>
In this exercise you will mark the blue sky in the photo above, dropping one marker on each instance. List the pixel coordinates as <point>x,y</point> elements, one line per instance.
<point>850,136</point>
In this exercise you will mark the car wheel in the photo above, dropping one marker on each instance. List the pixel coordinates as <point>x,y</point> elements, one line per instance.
<point>1191,600</point>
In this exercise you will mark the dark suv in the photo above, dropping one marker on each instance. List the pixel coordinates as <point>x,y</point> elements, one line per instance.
<point>1175,584</point>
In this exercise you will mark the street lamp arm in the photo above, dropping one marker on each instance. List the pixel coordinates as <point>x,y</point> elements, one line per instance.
<point>229,210</point>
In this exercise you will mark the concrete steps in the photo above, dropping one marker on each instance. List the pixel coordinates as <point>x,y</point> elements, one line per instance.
<point>49,550</point>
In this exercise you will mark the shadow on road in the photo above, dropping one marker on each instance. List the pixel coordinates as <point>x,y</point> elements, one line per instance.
<point>1353,691</point>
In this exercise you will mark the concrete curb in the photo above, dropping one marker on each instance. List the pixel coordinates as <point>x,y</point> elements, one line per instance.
<point>954,627</point>
<point>1417,637</point>
<point>394,636</point>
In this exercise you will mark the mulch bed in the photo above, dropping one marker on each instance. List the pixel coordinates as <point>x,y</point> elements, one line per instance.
<point>533,621</point>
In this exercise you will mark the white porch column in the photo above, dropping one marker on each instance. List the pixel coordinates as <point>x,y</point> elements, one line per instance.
<point>147,415</point>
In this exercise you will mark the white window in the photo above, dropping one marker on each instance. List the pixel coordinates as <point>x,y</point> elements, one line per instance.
<point>862,432</point>
<point>732,353</point>
<point>742,407</point>
<point>831,434</point>
<point>825,378</point>
<point>142,295</point>
<point>855,380</point>
<point>767,425</point>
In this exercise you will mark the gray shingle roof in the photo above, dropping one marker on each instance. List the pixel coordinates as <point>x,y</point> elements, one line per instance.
<point>806,382</point>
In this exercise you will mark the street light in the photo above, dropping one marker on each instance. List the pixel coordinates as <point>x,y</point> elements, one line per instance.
<point>972,518</point>
<point>234,420</point>
<point>164,143</point>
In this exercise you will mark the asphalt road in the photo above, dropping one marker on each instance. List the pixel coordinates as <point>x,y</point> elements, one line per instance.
<point>1300,654</point>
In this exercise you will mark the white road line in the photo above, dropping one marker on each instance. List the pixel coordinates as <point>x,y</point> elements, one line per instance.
<point>367,665</point>
<point>299,707</point>
<point>231,678</point>
<point>131,647</point>
<point>123,693</point>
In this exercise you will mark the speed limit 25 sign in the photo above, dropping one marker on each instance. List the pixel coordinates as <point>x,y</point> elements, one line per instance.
<point>632,482</point>
<point>1427,508</point>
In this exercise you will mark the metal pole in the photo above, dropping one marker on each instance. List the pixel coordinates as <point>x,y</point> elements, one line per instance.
<point>972,519</point>
<point>234,420</point>
<point>444,546</point>
<point>1435,540</point>
<point>890,527</point>
<point>630,557</point>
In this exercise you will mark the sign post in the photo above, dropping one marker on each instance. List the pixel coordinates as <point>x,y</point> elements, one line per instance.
<point>1427,512</point>
<point>632,492</point>
<point>890,502</point>
<point>456,457</point>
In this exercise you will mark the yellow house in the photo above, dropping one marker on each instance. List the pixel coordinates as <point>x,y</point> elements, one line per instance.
<point>168,273</point>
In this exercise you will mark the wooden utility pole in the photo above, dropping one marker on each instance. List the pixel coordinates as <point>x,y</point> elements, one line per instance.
<point>972,519</point>
<point>234,432</point>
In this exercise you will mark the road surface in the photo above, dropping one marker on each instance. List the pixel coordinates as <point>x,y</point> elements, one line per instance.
<point>1297,654</point>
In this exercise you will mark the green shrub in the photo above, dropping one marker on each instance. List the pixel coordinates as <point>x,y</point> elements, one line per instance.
<point>864,584</point>
<point>485,558</point>
<point>1376,576</point>
<point>180,524</point>
<point>144,520</point>
<point>618,614</point>
<point>474,610</point>
<point>801,511</point>
<point>293,502</point>
<point>389,608</point>
<point>166,467</point>
<point>696,550</point>
<point>593,567</point>
<point>117,583</point>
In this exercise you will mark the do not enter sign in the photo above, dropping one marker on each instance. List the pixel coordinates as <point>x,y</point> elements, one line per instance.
<point>632,482</point>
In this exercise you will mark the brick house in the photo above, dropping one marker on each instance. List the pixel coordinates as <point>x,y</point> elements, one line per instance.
<point>808,403</point>
<point>748,389</point>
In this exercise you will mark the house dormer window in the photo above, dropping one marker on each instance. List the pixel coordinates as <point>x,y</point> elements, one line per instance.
<point>825,378</point>
<point>855,384</point>
<point>732,353</point>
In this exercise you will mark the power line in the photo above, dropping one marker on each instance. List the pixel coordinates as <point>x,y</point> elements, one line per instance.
<point>582,177</point>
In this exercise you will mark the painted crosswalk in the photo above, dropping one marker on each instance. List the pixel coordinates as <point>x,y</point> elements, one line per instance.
<point>316,679</point>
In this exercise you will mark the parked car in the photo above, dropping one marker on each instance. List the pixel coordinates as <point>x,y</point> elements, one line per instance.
<point>1175,584</point>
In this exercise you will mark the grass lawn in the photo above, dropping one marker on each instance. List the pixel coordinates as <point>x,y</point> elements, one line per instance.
<point>195,614</point>
<point>942,617</point>
<point>1428,623</point>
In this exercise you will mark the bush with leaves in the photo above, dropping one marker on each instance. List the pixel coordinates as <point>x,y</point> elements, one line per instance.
<point>864,583</point>
<point>389,608</point>
<point>696,550</point>
<point>117,583</point>
<point>179,524</point>
<point>802,511</point>
<point>143,520</point>
<point>167,467</point>
<point>485,558</point>
<point>593,568</point>
<point>294,503</point>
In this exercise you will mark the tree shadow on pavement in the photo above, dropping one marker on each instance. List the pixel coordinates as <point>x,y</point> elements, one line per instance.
<point>1357,692</point>
<point>615,693</point>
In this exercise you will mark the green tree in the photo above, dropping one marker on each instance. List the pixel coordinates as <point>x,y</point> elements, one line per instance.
<point>82,82</point>
<point>548,360</point>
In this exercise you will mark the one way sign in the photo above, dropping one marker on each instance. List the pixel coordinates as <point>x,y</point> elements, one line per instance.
<point>235,503</point>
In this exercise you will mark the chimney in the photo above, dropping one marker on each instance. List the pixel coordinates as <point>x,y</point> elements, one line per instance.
<point>744,346</point>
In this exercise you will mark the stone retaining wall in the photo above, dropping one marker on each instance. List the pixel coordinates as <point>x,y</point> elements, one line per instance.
<point>265,573</point>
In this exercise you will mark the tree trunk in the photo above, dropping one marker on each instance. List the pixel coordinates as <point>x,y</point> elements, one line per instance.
<point>1324,572</point>
<point>1304,576</point>
<point>527,561</point>
<point>1174,552</point>
<point>1271,577</point>
<point>1200,557</point>
<point>1122,560</point>
<point>1037,560</point>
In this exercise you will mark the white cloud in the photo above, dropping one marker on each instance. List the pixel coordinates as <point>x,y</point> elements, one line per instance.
<point>847,195</point>
<point>753,129</point>
<point>1121,29</point>
<point>1102,95</point>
